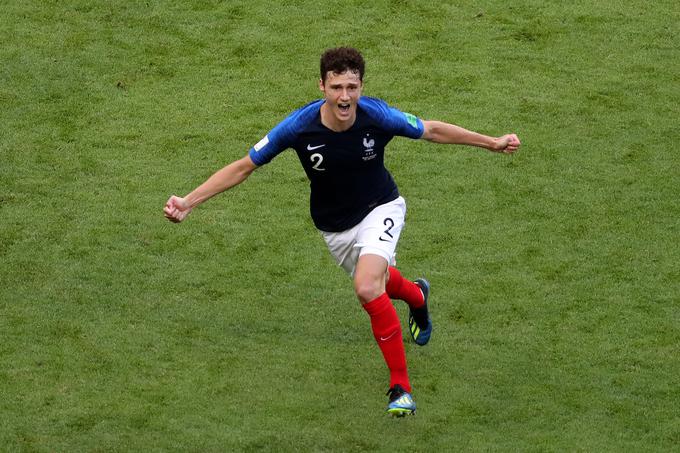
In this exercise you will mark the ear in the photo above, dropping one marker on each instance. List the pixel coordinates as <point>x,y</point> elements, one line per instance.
<point>321,85</point>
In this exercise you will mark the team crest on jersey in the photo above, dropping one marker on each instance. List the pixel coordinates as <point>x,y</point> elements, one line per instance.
<point>369,153</point>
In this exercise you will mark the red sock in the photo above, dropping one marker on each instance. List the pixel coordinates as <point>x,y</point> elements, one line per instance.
<point>387,332</point>
<point>400,288</point>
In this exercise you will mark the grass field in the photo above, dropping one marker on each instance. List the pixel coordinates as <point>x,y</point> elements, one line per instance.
<point>555,272</point>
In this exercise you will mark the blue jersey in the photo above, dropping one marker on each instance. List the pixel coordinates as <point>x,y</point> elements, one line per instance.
<point>346,169</point>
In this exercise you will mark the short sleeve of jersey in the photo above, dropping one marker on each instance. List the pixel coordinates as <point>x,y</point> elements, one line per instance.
<point>393,120</point>
<point>283,135</point>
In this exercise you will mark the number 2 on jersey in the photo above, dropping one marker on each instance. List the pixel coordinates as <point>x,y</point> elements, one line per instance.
<point>317,158</point>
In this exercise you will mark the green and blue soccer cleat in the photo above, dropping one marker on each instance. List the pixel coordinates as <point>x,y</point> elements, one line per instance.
<point>421,335</point>
<point>401,402</point>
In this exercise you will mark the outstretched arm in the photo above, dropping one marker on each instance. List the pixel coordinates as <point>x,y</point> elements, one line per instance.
<point>177,208</point>
<point>440,132</point>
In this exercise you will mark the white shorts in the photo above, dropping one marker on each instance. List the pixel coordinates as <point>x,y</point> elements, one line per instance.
<point>377,234</point>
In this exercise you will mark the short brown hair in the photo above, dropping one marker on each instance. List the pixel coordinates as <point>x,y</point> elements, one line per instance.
<point>342,59</point>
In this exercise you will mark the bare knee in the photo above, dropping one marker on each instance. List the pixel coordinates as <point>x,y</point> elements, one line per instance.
<point>367,289</point>
<point>369,277</point>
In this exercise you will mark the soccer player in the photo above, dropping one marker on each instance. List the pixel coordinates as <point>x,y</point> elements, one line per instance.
<point>354,202</point>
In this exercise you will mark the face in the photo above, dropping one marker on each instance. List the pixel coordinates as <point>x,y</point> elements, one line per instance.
<point>342,93</point>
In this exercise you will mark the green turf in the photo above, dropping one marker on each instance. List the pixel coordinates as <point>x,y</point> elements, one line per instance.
<point>555,273</point>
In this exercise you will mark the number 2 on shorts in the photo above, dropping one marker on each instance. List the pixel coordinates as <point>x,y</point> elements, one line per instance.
<point>389,223</point>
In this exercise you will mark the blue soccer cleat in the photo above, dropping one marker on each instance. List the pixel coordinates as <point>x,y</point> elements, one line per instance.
<point>401,402</point>
<point>419,334</point>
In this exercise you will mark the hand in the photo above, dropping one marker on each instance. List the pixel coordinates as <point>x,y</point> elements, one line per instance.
<point>176,209</point>
<point>507,144</point>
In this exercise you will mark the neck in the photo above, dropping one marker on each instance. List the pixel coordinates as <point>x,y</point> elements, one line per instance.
<point>331,122</point>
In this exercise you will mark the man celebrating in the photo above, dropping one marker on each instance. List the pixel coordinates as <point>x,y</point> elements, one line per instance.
<point>354,202</point>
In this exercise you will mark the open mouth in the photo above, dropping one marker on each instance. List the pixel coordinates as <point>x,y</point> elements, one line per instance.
<point>344,108</point>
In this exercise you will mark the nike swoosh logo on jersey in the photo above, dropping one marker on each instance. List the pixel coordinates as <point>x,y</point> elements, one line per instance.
<point>312,148</point>
<point>384,240</point>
